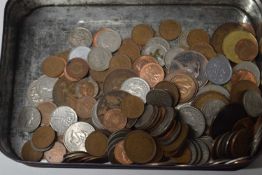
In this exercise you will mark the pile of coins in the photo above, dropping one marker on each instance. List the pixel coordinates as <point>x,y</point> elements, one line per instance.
<point>162,96</point>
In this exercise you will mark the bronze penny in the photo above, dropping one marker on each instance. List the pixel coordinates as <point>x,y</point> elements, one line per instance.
<point>243,123</point>
<point>53,66</point>
<point>114,120</point>
<point>96,144</point>
<point>56,153</point>
<point>120,61</point>
<point>130,48</point>
<point>43,137</point>
<point>197,36</point>
<point>142,33</point>
<point>171,88</point>
<point>184,157</point>
<point>140,146</point>
<point>99,76</point>
<point>152,73</point>
<point>120,154</point>
<point>142,61</point>
<point>46,108</point>
<point>87,87</point>
<point>242,74</point>
<point>170,29</point>
<point>84,107</point>
<point>205,48</point>
<point>68,77</point>
<point>159,154</point>
<point>29,154</point>
<point>77,68</point>
<point>132,106</point>
<point>246,49</point>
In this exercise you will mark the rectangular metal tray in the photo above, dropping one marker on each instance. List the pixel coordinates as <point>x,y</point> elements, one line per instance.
<point>34,29</point>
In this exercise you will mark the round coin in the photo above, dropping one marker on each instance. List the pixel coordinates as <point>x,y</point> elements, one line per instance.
<point>96,144</point>
<point>29,119</point>
<point>152,73</point>
<point>171,54</point>
<point>120,61</point>
<point>205,48</point>
<point>157,51</point>
<point>87,87</point>
<point>79,52</point>
<point>246,49</point>
<point>197,36</point>
<point>53,66</point>
<point>46,109</point>
<point>142,33</point>
<point>43,138</point>
<point>130,103</point>
<point>114,120</point>
<point>216,88</point>
<point>242,74</point>
<point>99,59</point>
<point>169,29</point>
<point>171,88</point>
<point>84,106</point>
<point>29,154</point>
<point>159,41</point>
<point>56,153</point>
<point>45,87</point>
<point>80,36</point>
<point>77,68</point>
<point>130,48</point>
<point>142,61</point>
<point>120,154</point>
<point>159,97</point>
<point>252,102</point>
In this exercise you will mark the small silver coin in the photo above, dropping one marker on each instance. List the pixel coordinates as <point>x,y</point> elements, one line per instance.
<point>182,40</point>
<point>216,88</point>
<point>137,87</point>
<point>45,87</point>
<point>61,118</point>
<point>80,36</point>
<point>194,118</point>
<point>157,51</point>
<point>171,54</point>
<point>192,62</point>
<point>29,119</point>
<point>219,70</point>
<point>108,39</point>
<point>99,59</point>
<point>33,95</point>
<point>75,136</point>
<point>159,40</point>
<point>79,52</point>
<point>252,102</point>
<point>205,152</point>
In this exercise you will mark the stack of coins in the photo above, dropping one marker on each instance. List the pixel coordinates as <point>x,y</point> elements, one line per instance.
<point>163,96</point>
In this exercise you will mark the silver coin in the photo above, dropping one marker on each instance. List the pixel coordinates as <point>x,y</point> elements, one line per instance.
<point>208,141</point>
<point>89,80</point>
<point>75,136</point>
<point>194,118</point>
<point>216,88</point>
<point>99,59</point>
<point>159,40</point>
<point>79,52</point>
<point>94,117</point>
<point>182,40</point>
<point>108,39</point>
<point>61,118</point>
<point>45,87</point>
<point>249,66</point>
<point>137,87</point>
<point>80,36</point>
<point>205,152</point>
<point>199,152</point>
<point>193,152</point>
<point>157,51</point>
<point>256,141</point>
<point>192,62</point>
<point>219,70</point>
<point>171,54</point>
<point>18,139</point>
<point>33,95</point>
<point>29,119</point>
<point>252,102</point>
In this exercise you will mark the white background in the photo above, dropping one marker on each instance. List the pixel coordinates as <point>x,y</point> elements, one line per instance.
<point>8,166</point>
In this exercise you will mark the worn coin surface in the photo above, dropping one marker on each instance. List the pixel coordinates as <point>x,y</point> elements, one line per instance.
<point>182,40</point>
<point>216,88</point>
<point>96,144</point>
<point>80,36</point>
<point>130,48</point>
<point>29,119</point>
<point>252,102</point>
<point>120,154</point>
<point>171,54</point>
<point>120,61</point>
<point>77,68</point>
<point>45,87</point>
<point>160,41</point>
<point>29,154</point>
<point>46,109</point>
<point>159,97</point>
<point>79,52</point>
<point>170,29</point>
<point>205,48</point>
<point>171,88</point>
<point>84,106</point>
<point>87,87</point>
<point>242,74</point>
<point>114,120</point>
<point>99,59</point>
<point>142,61</point>
<point>75,136</point>
<point>142,33</point>
<point>157,51</point>
<point>43,137</point>
<point>246,49</point>
<point>53,66</point>
<point>56,153</point>
<point>197,36</point>
<point>33,95</point>
<point>152,73</point>
<point>132,106</point>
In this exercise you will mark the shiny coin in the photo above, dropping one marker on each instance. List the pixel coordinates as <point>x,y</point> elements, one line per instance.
<point>216,88</point>
<point>218,70</point>
<point>170,29</point>
<point>79,52</point>
<point>75,136</point>
<point>61,118</point>
<point>171,54</point>
<point>46,109</point>
<point>246,49</point>
<point>130,103</point>
<point>29,154</point>
<point>197,36</point>
<point>160,41</point>
<point>99,59</point>
<point>53,66</point>
<point>43,138</point>
<point>56,153</point>
<point>252,102</point>
<point>45,87</point>
<point>80,36</point>
<point>77,68</point>
<point>159,97</point>
<point>33,95</point>
<point>114,120</point>
<point>242,74</point>
<point>141,62</point>
<point>157,51</point>
<point>205,48</point>
<point>152,73</point>
<point>87,87</point>
<point>96,144</point>
<point>130,48</point>
<point>142,33</point>
<point>120,154</point>
<point>29,119</point>
<point>171,88</point>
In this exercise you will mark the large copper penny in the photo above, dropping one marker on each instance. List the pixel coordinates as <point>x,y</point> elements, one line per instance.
<point>152,73</point>
<point>197,36</point>
<point>56,153</point>
<point>169,29</point>
<point>46,108</point>
<point>130,48</point>
<point>96,143</point>
<point>243,74</point>
<point>29,154</point>
<point>120,154</point>
<point>132,106</point>
<point>246,49</point>
<point>141,33</point>
<point>114,120</point>
<point>77,68</point>
<point>53,66</point>
<point>43,137</point>
<point>141,62</point>
<point>84,106</point>
<point>120,61</point>
<point>171,88</point>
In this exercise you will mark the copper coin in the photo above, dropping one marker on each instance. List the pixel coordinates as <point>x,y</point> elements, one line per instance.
<point>29,154</point>
<point>68,77</point>
<point>114,120</point>
<point>186,84</point>
<point>120,61</point>
<point>120,154</point>
<point>141,62</point>
<point>130,48</point>
<point>248,27</point>
<point>132,106</point>
<point>115,79</point>
<point>87,87</point>
<point>170,29</point>
<point>243,74</point>
<point>142,33</point>
<point>77,68</point>
<point>96,144</point>
<point>205,48</point>
<point>197,36</point>
<point>140,146</point>
<point>152,73</point>
<point>64,54</point>
<point>43,137</point>
<point>184,157</point>
<point>53,66</point>
<point>246,122</point>
<point>159,154</point>
<point>56,153</point>
<point>46,108</point>
<point>84,106</point>
<point>246,49</point>
<point>171,88</point>
<point>99,76</point>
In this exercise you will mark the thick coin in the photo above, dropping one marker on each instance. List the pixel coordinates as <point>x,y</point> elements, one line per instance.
<point>141,62</point>
<point>170,29</point>
<point>205,48</point>
<point>56,153</point>
<point>96,144</point>
<point>152,73</point>
<point>130,48</point>
<point>155,50</point>
<point>242,74</point>
<point>45,87</point>
<point>120,154</point>
<point>77,68</point>
<point>171,54</point>
<point>29,154</point>
<point>46,109</point>
<point>79,52</point>
<point>99,59</point>
<point>75,136</point>
<point>86,87</point>
<point>171,88</point>
<point>197,36</point>
<point>252,102</point>
<point>29,119</point>
<point>132,107</point>
<point>43,138</point>
<point>114,120</point>
<point>159,97</point>
<point>84,106</point>
<point>142,33</point>
<point>53,66</point>
<point>80,36</point>
<point>246,49</point>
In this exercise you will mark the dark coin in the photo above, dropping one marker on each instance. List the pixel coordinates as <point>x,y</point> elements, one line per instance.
<point>146,117</point>
<point>171,88</point>
<point>159,97</point>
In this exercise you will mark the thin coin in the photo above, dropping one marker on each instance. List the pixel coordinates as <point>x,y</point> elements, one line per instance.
<point>146,117</point>
<point>171,88</point>
<point>29,154</point>
<point>53,66</point>
<point>120,154</point>
<point>142,33</point>
<point>29,119</point>
<point>114,120</point>
<point>80,36</point>
<point>246,49</point>
<point>205,48</point>
<point>77,68</point>
<point>84,106</point>
<point>130,48</point>
<point>79,52</point>
<point>152,73</point>
<point>242,74</point>
<point>171,54</point>
<point>252,102</point>
<point>120,61</point>
<point>159,97</point>
<point>205,152</point>
<point>96,144</point>
<point>141,62</point>
<point>56,153</point>
<point>130,103</point>
<point>43,137</point>
<point>197,36</point>
<point>45,87</point>
<point>170,29</point>
<point>46,109</point>
<point>99,59</point>
<point>33,95</point>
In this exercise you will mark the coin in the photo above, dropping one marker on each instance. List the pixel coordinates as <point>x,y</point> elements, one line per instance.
<point>53,66</point>
<point>141,62</point>
<point>192,62</point>
<point>205,48</point>
<point>87,87</point>
<point>77,68</point>
<point>194,152</point>
<point>216,88</point>
<point>182,40</point>
<point>99,76</point>
<point>155,50</point>
<point>169,29</point>
<point>61,118</point>
<point>145,118</point>
<point>107,38</point>
<point>171,88</point>
<point>194,118</point>
<point>160,41</point>
<point>120,154</point>
<point>140,147</point>
<point>152,73</point>
<point>56,153</point>
<point>76,135</point>
<point>137,87</point>
<point>45,87</point>
<point>99,59</point>
<point>130,48</point>
<point>114,120</point>
<point>252,102</point>
<point>205,152</point>
<point>43,137</point>
<point>141,33</point>
<point>84,106</point>
<point>120,61</point>
<point>246,122</point>
<point>184,157</point>
<point>29,119</point>
<point>198,152</point>
<point>218,70</point>
<point>80,36</point>
<point>171,54</point>
<point>33,95</point>
<point>246,49</point>
<point>79,52</point>
<point>197,36</point>
<point>46,109</point>
<point>29,154</point>
<point>242,74</point>
<point>159,97</point>
<point>130,103</point>
<point>96,143</point>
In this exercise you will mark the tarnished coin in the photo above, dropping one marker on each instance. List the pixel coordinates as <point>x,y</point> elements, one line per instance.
<point>192,62</point>
<point>107,38</point>
<point>218,70</point>
<point>45,87</point>
<point>184,157</point>
<point>130,48</point>
<point>160,41</point>
<point>96,144</point>
<point>159,97</point>
<point>80,36</point>
<point>205,48</point>
<point>242,74</point>
<point>75,136</point>
<point>61,118</point>
<point>77,68</point>
<point>216,88</point>
<point>157,51</point>
<point>205,152</point>
<point>246,122</point>
<point>130,103</point>
<point>197,36</point>
<point>141,62</point>
<point>120,61</point>
<point>170,29</point>
<point>142,33</point>
<point>53,66</point>
<point>136,86</point>
<point>252,102</point>
<point>99,59</point>
<point>182,40</point>
<point>145,118</point>
<point>56,153</point>
<point>33,95</point>
<point>171,54</point>
<point>171,88</point>
<point>87,87</point>
<point>246,49</point>
<point>43,138</point>
<point>29,154</point>
<point>29,119</point>
<point>46,109</point>
<point>194,118</point>
<point>84,106</point>
<point>79,52</point>
<point>152,73</point>
<point>114,120</point>
<point>120,154</point>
